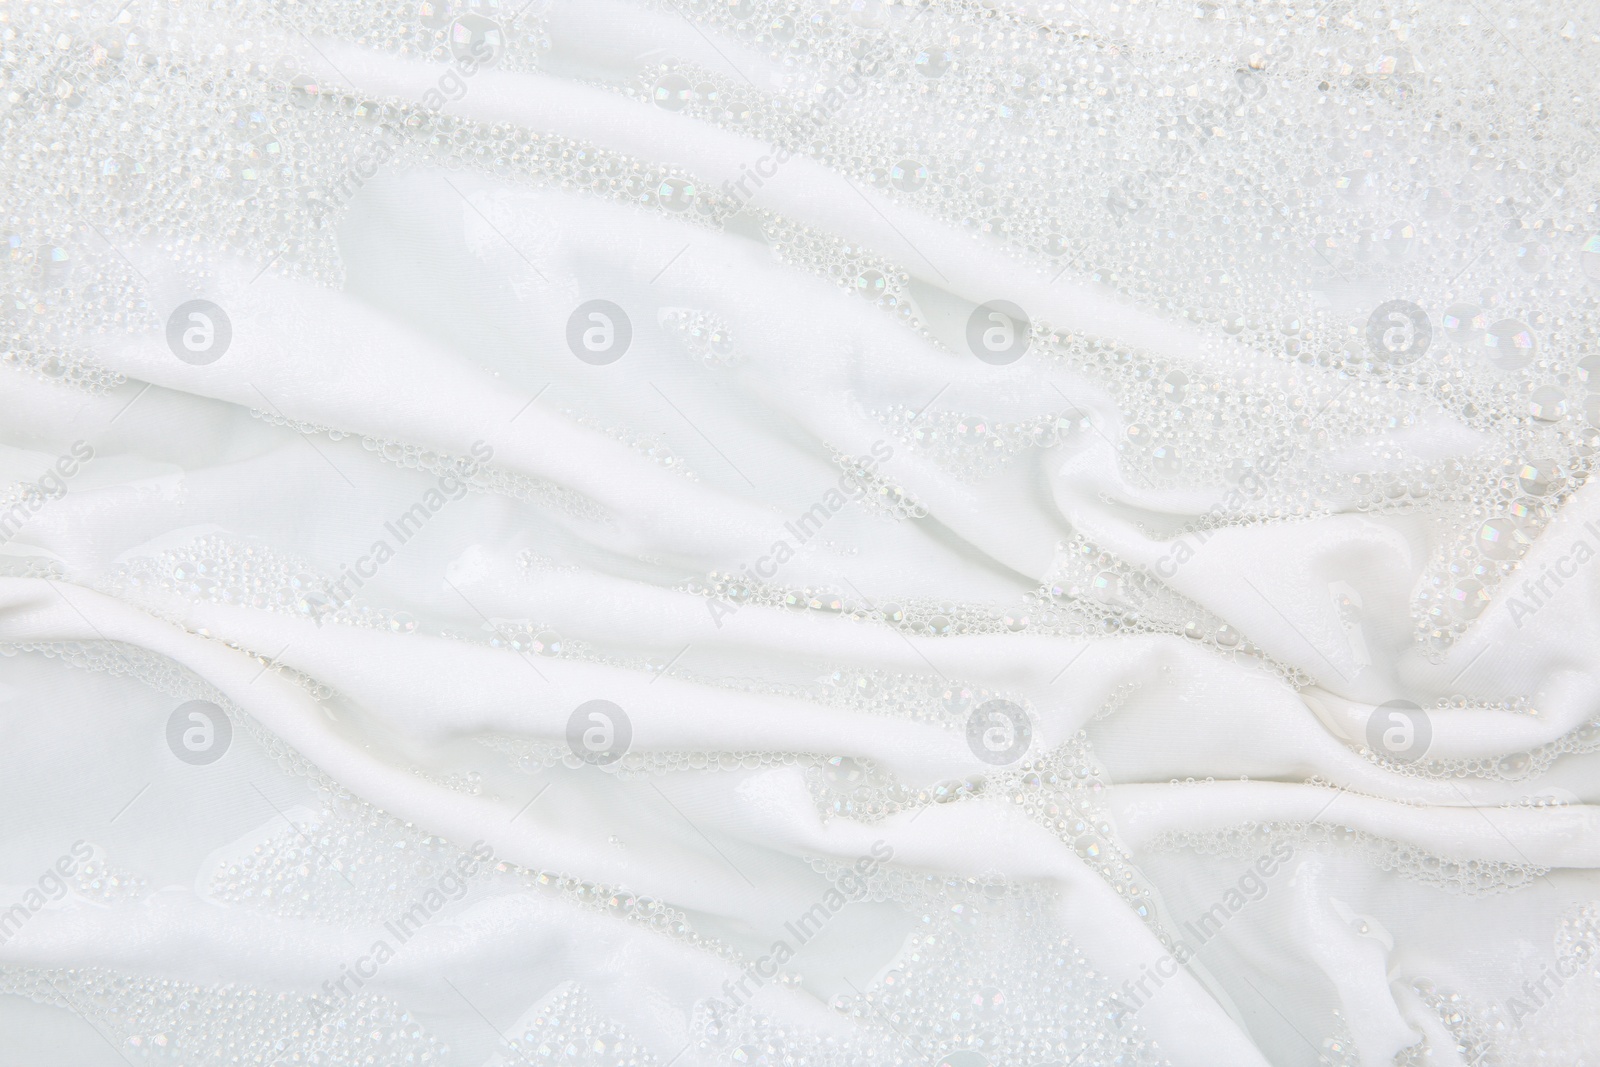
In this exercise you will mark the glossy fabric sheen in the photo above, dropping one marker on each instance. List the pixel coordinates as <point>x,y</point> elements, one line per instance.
<point>799,532</point>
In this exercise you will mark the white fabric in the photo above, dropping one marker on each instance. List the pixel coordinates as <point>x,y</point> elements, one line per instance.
<point>1203,668</point>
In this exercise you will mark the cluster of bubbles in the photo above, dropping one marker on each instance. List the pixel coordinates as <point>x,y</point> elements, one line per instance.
<point>487,477</point>
<point>384,863</point>
<point>159,1020</point>
<point>293,874</point>
<point>530,756</point>
<point>878,494</point>
<point>1165,455</point>
<point>853,267</point>
<point>1504,359</point>
<point>1509,767</point>
<point>1473,1034</point>
<point>98,880</point>
<point>924,617</point>
<point>264,157</point>
<point>703,335</point>
<point>566,1028</point>
<point>525,637</point>
<point>1062,789</point>
<point>1111,596</point>
<point>1548,1014</point>
<point>501,33</point>
<point>1470,1036</point>
<point>1196,136</point>
<point>25,566</point>
<point>851,788</point>
<point>1101,79</point>
<point>971,446</point>
<point>1466,877</point>
<point>986,979</point>
<point>618,903</point>
<point>272,147</point>
<point>1513,510</point>
<point>349,863</point>
<point>221,570</point>
<point>654,449</point>
<point>117,658</point>
<point>948,992</point>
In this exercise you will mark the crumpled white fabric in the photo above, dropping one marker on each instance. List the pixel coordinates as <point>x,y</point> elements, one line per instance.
<point>373,747</point>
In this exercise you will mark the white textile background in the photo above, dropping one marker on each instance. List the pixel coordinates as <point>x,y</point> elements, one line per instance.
<point>799,532</point>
